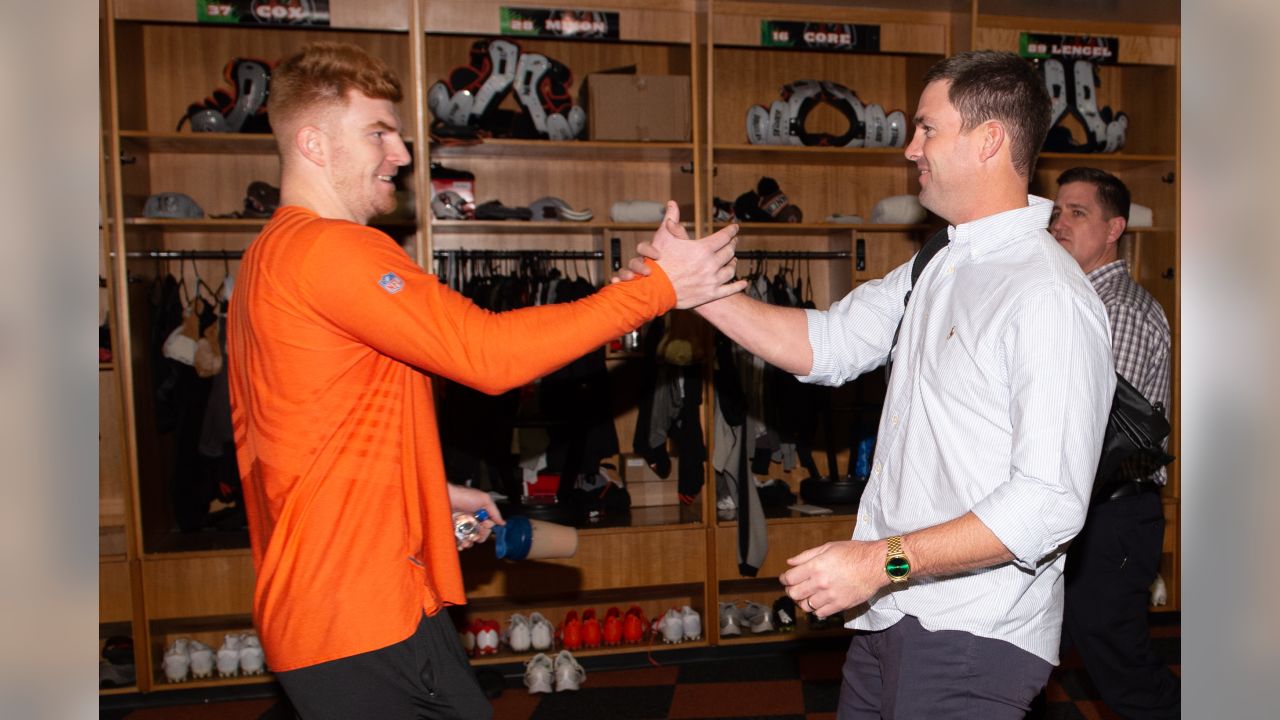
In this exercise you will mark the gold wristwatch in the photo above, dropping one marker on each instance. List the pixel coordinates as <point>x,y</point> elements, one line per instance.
<point>896,564</point>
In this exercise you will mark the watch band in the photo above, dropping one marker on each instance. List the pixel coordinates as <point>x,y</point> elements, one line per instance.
<point>896,564</point>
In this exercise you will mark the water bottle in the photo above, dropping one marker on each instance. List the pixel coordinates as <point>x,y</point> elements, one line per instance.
<point>466,527</point>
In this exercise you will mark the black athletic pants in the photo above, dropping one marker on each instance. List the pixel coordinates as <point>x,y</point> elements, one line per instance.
<point>426,676</point>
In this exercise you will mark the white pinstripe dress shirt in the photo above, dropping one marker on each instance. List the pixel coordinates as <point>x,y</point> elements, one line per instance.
<point>1001,386</point>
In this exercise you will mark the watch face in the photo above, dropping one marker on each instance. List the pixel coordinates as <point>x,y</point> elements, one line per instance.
<point>897,567</point>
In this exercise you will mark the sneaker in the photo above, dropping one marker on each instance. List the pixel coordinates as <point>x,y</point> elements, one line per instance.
<point>671,626</point>
<point>758,617</point>
<point>201,659</point>
<point>518,634</point>
<point>784,613</point>
<point>177,660</point>
<point>487,638</point>
<point>590,629</point>
<point>726,508</point>
<point>252,660</point>
<point>540,631</point>
<point>229,655</point>
<point>538,673</point>
<point>569,674</point>
<point>612,631</point>
<point>730,619</point>
<point>633,625</point>
<point>692,623</point>
<point>571,631</point>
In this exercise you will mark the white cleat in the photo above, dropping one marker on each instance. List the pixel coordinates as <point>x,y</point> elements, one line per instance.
<point>229,655</point>
<point>177,660</point>
<point>201,660</point>
<point>540,631</point>
<point>518,634</point>
<point>252,660</point>
<point>692,623</point>
<point>672,626</point>
<point>569,674</point>
<point>538,674</point>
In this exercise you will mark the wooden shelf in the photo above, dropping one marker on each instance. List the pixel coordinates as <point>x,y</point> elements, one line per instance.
<point>1066,160</point>
<point>211,143</point>
<point>226,225</point>
<point>802,155</point>
<point>106,366</point>
<point>161,684</point>
<point>530,227</point>
<point>747,228</point>
<point>508,656</point>
<point>584,150</point>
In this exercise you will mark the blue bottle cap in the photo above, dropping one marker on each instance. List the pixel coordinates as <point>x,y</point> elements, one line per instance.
<point>482,515</point>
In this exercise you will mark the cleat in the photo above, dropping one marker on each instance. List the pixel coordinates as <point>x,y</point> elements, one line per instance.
<point>252,661</point>
<point>590,629</point>
<point>691,622</point>
<point>569,674</point>
<point>487,638</point>
<point>538,674</point>
<point>177,660</point>
<point>671,627</point>
<point>633,625</point>
<point>201,660</point>
<point>229,655</point>
<point>571,631</point>
<point>612,627</point>
<point>730,619</point>
<point>757,617</point>
<point>518,634</point>
<point>540,631</point>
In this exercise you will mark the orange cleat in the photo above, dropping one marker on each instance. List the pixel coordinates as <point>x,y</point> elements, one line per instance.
<point>571,631</point>
<point>612,627</point>
<point>590,629</point>
<point>633,625</point>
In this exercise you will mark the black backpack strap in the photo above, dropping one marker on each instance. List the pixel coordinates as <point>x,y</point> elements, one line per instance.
<point>931,247</point>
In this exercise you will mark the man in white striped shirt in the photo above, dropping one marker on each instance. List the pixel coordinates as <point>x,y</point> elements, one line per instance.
<point>1114,560</point>
<point>991,428</point>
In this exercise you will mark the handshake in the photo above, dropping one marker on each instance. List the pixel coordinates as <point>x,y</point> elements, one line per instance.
<point>700,271</point>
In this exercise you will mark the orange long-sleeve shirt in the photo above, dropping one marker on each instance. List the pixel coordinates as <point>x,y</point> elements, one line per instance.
<point>332,338</point>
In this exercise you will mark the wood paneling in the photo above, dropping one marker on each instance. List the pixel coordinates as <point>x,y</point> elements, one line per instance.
<point>786,539</point>
<point>115,602</point>
<point>605,561</point>
<point>196,585</point>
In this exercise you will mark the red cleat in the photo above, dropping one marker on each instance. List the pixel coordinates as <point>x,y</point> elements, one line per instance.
<point>613,627</point>
<point>590,629</point>
<point>571,631</point>
<point>633,625</point>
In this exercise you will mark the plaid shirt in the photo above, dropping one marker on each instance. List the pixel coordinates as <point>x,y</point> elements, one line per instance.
<point>1139,335</point>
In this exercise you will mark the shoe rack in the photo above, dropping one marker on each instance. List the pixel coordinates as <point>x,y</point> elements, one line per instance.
<point>157,584</point>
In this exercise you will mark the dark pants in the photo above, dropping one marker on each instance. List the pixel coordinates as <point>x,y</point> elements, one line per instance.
<point>425,676</point>
<point>1110,568</point>
<point>908,672</point>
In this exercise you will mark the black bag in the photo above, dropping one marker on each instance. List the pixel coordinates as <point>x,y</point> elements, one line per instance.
<point>1132,446</point>
<point>1135,428</point>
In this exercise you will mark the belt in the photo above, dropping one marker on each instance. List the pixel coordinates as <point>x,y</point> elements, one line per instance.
<point>1129,488</point>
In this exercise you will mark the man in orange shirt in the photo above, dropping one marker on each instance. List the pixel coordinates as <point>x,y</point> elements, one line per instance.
<point>333,338</point>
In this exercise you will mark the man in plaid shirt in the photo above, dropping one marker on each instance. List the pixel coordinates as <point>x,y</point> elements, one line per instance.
<point>1113,561</point>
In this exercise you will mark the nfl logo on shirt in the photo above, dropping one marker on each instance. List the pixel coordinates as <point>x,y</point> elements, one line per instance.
<point>391,282</point>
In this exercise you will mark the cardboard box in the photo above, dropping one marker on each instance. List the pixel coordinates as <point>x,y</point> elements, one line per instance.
<point>645,487</point>
<point>637,107</point>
